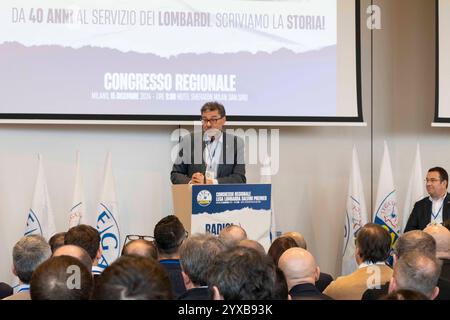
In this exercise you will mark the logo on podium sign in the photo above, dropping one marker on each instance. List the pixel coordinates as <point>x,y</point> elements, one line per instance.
<point>204,198</point>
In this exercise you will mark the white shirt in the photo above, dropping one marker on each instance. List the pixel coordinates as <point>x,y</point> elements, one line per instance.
<point>212,154</point>
<point>436,209</point>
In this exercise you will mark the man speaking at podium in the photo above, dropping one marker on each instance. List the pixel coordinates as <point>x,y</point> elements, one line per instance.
<point>222,154</point>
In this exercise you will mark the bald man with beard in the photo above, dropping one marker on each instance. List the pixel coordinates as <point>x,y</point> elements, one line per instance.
<point>301,272</point>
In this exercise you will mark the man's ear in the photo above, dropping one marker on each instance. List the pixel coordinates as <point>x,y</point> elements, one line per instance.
<point>317,274</point>
<point>435,293</point>
<point>13,270</point>
<point>216,294</point>
<point>187,281</point>
<point>392,285</point>
<point>99,253</point>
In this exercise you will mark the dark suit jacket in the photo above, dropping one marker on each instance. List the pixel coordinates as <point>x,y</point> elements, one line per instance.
<point>231,168</point>
<point>201,293</point>
<point>324,280</point>
<point>307,291</point>
<point>5,290</point>
<point>173,268</point>
<point>421,214</point>
<point>376,294</point>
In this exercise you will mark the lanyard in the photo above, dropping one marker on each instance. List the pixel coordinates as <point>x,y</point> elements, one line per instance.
<point>211,157</point>
<point>437,213</point>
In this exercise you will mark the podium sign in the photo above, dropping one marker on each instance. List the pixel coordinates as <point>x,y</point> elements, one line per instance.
<point>216,206</point>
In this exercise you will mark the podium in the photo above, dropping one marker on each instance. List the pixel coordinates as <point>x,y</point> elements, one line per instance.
<point>211,208</point>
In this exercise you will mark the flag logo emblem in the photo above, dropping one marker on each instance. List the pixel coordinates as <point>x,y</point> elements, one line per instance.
<point>204,198</point>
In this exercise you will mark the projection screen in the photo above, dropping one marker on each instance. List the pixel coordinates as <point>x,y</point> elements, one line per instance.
<point>161,60</point>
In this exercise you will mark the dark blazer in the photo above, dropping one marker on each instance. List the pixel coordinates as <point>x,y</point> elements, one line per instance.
<point>173,268</point>
<point>201,293</point>
<point>231,168</point>
<point>421,214</point>
<point>376,294</point>
<point>307,291</point>
<point>5,290</point>
<point>324,280</point>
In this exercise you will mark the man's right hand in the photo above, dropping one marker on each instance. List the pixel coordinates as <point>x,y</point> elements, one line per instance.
<point>198,178</point>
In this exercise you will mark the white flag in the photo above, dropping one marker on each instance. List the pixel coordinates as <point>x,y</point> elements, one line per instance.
<point>415,187</point>
<point>386,213</point>
<point>266,178</point>
<point>355,216</point>
<point>107,218</point>
<point>77,211</point>
<point>40,218</point>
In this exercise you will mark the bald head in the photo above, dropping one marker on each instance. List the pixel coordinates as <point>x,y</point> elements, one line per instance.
<point>299,266</point>
<point>141,248</point>
<point>76,252</point>
<point>297,236</point>
<point>252,244</point>
<point>442,237</point>
<point>232,235</point>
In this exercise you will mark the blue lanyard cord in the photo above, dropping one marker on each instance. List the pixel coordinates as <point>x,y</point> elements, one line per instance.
<point>435,216</point>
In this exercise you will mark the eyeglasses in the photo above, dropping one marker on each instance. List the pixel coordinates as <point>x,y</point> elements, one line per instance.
<point>212,121</point>
<point>132,237</point>
<point>432,180</point>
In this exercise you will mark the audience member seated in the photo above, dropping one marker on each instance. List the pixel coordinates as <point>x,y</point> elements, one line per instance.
<point>61,278</point>
<point>405,295</point>
<point>232,235</point>
<point>87,238</point>
<point>76,252</point>
<point>244,274</point>
<point>418,272</point>
<point>5,290</point>
<point>169,234</point>
<point>133,278</point>
<point>298,237</point>
<point>196,254</point>
<point>442,237</point>
<point>141,248</point>
<point>281,244</point>
<point>56,241</point>
<point>409,241</point>
<point>253,244</point>
<point>28,253</point>
<point>373,243</point>
<point>302,272</point>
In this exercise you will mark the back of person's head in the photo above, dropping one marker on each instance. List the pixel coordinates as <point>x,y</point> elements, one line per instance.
<point>442,237</point>
<point>299,266</point>
<point>56,241</point>
<point>197,253</point>
<point>446,224</point>
<point>169,233</point>
<point>76,252</point>
<point>133,278</point>
<point>373,243</point>
<point>231,235</point>
<point>253,244</point>
<point>415,240</point>
<point>141,248</point>
<point>418,272</point>
<point>404,294</point>
<point>85,237</point>
<point>28,253</point>
<point>243,274</point>
<point>61,278</point>
<point>298,237</point>
<point>279,246</point>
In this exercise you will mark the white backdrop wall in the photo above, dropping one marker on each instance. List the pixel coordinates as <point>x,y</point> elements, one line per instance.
<point>311,185</point>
